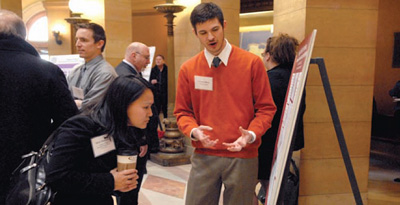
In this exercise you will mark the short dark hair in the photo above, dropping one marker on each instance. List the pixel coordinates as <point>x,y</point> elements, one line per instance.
<point>98,32</point>
<point>111,111</point>
<point>204,12</point>
<point>282,49</point>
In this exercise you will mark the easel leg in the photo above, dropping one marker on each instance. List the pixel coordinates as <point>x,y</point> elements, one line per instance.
<point>338,128</point>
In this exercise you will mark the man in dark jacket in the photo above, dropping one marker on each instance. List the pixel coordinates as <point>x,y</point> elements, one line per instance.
<point>137,56</point>
<point>34,97</point>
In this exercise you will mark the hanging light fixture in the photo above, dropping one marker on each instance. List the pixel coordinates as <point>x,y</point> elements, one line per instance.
<point>77,8</point>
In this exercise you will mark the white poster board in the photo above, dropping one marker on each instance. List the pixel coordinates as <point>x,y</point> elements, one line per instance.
<point>289,116</point>
<point>146,72</point>
<point>67,62</point>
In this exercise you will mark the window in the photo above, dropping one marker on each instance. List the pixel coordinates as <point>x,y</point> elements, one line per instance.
<point>38,35</point>
<point>38,30</point>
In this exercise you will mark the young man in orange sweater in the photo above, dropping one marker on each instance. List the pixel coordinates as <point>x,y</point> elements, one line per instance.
<point>224,103</point>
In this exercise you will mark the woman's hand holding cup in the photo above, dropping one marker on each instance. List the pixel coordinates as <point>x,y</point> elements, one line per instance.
<point>125,176</point>
<point>125,180</point>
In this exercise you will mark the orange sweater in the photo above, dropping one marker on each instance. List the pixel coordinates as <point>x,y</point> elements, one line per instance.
<point>240,96</point>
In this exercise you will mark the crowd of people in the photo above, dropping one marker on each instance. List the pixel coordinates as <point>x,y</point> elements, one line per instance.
<point>232,126</point>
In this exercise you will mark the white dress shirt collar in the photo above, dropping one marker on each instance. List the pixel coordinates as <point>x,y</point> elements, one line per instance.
<point>224,55</point>
<point>130,64</point>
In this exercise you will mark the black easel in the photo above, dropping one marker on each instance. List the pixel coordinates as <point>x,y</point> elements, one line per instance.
<point>338,128</point>
<point>339,133</point>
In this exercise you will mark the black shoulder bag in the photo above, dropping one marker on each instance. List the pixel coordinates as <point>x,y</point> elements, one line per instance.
<point>292,186</point>
<point>28,181</point>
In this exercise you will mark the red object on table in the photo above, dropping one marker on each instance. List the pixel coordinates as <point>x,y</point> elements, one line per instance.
<point>160,134</point>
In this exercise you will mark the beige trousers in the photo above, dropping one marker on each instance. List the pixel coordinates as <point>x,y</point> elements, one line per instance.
<point>209,173</point>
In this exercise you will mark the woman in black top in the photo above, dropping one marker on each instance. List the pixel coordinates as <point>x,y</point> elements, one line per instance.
<point>279,56</point>
<point>159,78</point>
<point>82,166</point>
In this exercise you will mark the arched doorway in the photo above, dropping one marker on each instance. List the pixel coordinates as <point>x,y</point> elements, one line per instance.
<point>37,33</point>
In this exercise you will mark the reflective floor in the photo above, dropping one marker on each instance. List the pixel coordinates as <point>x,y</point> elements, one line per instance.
<point>166,185</point>
<point>384,168</point>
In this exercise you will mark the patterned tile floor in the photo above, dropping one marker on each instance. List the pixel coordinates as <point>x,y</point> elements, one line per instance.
<point>164,185</point>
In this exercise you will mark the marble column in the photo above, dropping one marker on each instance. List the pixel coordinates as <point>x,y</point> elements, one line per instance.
<point>118,26</point>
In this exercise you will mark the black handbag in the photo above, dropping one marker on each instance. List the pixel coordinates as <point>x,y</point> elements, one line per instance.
<point>28,181</point>
<point>292,186</point>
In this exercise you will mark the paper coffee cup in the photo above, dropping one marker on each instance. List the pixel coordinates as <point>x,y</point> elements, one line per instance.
<point>126,160</point>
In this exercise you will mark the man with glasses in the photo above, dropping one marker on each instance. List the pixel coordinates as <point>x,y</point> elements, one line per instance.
<point>137,57</point>
<point>89,81</point>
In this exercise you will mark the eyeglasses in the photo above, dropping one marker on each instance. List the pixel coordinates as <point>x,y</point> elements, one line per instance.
<point>146,57</point>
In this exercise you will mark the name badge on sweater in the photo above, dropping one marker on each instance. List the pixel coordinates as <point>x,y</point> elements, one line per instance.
<point>77,93</point>
<point>203,83</point>
<point>102,145</point>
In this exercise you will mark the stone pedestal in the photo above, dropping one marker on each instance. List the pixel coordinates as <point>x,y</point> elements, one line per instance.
<point>168,160</point>
<point>172,149</point>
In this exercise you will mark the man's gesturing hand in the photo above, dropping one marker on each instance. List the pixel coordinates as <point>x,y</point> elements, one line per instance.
<point>241,142</point>
<point>203,138</point>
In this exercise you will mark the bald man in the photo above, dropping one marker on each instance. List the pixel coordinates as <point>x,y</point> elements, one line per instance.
<point>137,57</point>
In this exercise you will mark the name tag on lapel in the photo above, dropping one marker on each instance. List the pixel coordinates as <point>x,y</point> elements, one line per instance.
<point>77,93</point>
<point>102,145</point>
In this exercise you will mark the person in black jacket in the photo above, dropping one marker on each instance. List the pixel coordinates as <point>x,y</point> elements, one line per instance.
<point>81,169</point>
<point>34,95</point>
<point>137,56</point>
<point>159,78</point>
<point>278,56</point>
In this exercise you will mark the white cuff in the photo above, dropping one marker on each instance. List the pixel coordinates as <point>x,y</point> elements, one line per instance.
<point>191,135</point>
<point>253,137</point>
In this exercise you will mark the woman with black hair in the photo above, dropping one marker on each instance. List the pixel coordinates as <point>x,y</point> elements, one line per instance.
<point>82,166</point>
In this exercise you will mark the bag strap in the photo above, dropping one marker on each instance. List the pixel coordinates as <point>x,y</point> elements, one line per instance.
<point>158,119</point>
<point>296,170</point>
<point>47,143</point>
<point>159,124</point>
<point>49,139</point>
